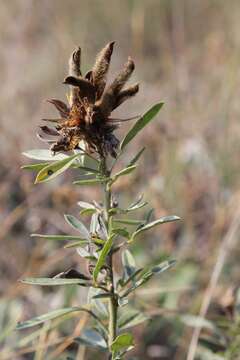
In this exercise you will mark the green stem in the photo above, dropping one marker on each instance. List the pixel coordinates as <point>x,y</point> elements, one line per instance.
<point>113,304</point>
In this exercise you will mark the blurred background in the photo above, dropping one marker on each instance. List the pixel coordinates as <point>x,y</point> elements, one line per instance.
<point>187,54</point>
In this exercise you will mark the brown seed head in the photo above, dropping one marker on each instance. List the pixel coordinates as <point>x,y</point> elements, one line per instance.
<point>90,104</point>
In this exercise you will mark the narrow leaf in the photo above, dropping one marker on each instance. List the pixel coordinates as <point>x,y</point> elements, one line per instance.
<point>123,172</point>
<point>148,274</point>
<point>52,170</point>
<point>35,167</point>
<point>93,224</point>
<point>89,211</point>
<point>86,205</point>
<point>77,225</point>
<point>59,237</point>
<point>122,232</point>
<point>91,338</point>
<point>90,181</point>
<point>76,244</point>
<point>46,317</point>
<point>129,265</point>
<point>44,154</point>
<point>123,283</point>
<point>88,169</point>
<point>102,257</point>
<point>157,269</point>
<point>150,225</point>
<point>140,124</point>
<point>51,281</point>
<point>136,207</point>
<point>128,221</point>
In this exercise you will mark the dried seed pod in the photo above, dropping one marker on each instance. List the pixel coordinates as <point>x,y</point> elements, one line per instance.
<point>75,63</point>
<point>86,89</point>
<point>126,94</point>
<point>74,70</point>
<point>109,99</point>
<point>122,77</point>
<point>100,68</point>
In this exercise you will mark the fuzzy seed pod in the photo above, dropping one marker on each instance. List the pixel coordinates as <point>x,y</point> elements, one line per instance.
<point>100,69</point>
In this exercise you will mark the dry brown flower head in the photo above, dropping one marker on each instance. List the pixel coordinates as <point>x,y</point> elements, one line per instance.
<point>87,117</point>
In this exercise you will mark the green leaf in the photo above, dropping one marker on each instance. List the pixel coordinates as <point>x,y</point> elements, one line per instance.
<point>136,157</point>
<point>129,265</point>
<point>131,318</point>
<point>123,172</point>
<point>136,207</point>
<point>120,231</point>
<point>91,338</point>
<point>102,257</point>
<point>51,281</point>
<point>157,269</point>
<point>91,181</point>
<point>148,274</point>
<point>123,283</point>
<point>78,225</point>
<point>128,221</point>
<point>148,216</point>
<point>60,237</point>
<point>88,169</point>
<point>77,244</point>
<point>52,170</point>
<point>150,225</point>
<point>122,341</point>
<point>98,241</point>
<point>89,211</point>
<point>44,154</point>
<point>46,317</point>
<point>35,167</point>
<point>136,202</point>
<point>86,205</point>
<point>140,124</point>
<point>101,229</point>
<point>94,223</point>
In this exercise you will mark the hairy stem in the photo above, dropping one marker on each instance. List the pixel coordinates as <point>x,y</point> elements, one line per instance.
<point>113,304</point>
